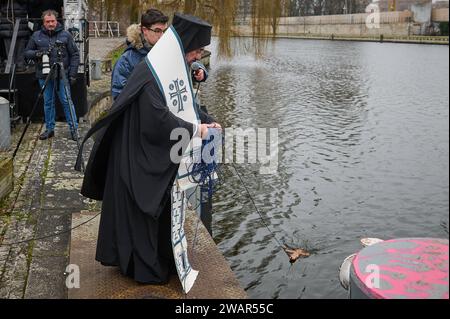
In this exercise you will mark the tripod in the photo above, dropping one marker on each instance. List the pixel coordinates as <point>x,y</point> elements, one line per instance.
<point>57,73</point>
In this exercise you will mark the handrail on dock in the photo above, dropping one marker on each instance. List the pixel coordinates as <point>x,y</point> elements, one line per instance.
<point>110,29</point>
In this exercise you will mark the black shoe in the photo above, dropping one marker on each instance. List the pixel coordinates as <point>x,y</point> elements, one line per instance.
<point>46,135</point>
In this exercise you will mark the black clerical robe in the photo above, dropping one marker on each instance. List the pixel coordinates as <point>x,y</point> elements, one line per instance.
<point>131,171</point>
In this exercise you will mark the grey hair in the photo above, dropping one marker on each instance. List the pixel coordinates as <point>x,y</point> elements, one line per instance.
<point>50,13</point>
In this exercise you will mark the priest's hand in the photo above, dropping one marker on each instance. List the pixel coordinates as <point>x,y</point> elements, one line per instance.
<point>204,131</point>
<point>199,75</point>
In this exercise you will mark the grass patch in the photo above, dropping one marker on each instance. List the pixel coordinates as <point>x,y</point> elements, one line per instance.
<point>115,54</point>
<point>443,27</point>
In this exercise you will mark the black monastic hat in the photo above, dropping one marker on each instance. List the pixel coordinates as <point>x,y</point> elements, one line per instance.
<point>193,31</point>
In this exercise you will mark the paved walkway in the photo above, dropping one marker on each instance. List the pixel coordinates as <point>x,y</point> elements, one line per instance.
<point>36,218</point>
<point>99,48</point>
<point>45,195</point>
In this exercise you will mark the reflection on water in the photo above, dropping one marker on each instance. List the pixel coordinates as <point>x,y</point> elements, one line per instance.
<point>363,131</point>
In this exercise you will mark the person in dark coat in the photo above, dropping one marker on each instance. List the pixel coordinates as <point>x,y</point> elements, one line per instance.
<point>43,41</point>
<point>131,171</point>
<point>140,39</point>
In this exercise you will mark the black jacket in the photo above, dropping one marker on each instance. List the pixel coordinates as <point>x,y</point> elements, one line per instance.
<point>43,40</point>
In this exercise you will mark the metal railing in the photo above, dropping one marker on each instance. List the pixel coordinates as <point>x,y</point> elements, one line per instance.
<point>110,29</point>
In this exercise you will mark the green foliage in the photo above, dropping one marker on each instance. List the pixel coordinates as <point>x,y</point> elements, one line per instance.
<point>115,55</point>
<point>443,26</point>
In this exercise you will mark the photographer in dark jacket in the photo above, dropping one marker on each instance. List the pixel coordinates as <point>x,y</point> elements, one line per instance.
<point>43,42</point>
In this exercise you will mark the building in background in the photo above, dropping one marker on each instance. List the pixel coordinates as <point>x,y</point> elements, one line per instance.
<point>244,11</point>
<point>399,5</point>
<point>440,4</point>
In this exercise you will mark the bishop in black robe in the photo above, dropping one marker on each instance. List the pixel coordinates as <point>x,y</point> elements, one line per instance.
<point>131,171</point>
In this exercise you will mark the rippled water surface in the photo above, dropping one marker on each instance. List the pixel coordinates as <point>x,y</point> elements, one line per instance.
<point>364,152</point>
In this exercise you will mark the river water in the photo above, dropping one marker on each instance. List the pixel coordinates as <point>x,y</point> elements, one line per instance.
<point>363,152</point>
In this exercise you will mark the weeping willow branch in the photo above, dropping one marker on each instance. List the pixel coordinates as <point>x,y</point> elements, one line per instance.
<point>221,14</point>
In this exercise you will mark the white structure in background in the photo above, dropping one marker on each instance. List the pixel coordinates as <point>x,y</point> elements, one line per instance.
<point>75,16</point>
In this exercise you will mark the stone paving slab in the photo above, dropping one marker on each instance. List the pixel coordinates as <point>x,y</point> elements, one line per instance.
<point>64,194</point>
<point>47,278</point>
<point>52,223</point>
<point>15,272</point>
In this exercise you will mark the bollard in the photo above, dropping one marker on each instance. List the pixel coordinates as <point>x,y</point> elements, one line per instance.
<point>5,125</point>
<point>96,67</point>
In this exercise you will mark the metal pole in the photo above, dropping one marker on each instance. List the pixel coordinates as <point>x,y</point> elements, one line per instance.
<point>41,93</point>
<point>12,48</point>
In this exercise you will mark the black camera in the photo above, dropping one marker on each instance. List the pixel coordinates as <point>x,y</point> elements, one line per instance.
<point>60,48</point>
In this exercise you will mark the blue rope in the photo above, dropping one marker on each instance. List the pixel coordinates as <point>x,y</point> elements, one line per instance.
<point>203,173</point>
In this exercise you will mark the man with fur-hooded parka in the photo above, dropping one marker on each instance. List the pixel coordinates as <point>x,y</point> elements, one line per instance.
<point>140,39</point>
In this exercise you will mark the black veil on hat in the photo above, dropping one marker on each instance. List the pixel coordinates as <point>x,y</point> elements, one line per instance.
<point>193,31</point>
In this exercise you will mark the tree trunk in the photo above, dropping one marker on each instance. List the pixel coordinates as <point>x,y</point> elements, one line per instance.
<point>190,6</point>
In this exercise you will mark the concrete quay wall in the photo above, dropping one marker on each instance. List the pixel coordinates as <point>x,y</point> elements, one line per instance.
<point>388,24</point>
<point>351,30</point>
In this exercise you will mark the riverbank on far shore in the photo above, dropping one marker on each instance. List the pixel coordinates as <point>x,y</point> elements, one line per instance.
<point>418,25</point>
<point>435,40</point>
